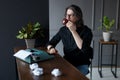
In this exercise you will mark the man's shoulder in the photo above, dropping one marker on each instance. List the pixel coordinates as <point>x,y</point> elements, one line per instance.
<point>63,28</point>
<point>87,28</point>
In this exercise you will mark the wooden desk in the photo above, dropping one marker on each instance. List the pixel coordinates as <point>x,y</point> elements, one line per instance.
<point>68,71</point>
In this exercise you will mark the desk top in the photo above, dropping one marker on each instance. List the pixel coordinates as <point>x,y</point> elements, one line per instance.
<point>69,72</point>
<point>113,42</point>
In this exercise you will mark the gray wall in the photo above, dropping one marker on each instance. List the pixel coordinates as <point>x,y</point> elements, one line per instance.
<point>93,10</point>
<point>13,15</point>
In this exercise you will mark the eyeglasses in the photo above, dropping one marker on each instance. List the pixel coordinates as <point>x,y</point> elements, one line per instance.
<point>70,15</point>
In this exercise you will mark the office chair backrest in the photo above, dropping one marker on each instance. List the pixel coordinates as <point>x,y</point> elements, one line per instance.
<point>91,57</point>
<point>90,53</point>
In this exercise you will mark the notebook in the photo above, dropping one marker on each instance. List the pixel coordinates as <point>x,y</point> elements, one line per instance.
<point>27,55</point>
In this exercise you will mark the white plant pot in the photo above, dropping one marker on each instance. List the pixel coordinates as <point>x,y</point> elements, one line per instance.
<point>107,36</point>
<point>30,43</point>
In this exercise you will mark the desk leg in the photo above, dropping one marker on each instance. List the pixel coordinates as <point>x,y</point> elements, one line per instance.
<point>100,60</point>
<point>112,64</point>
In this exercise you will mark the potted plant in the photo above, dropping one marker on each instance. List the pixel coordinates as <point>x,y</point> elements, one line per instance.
<point>29,32</point>
<point>106,27</point>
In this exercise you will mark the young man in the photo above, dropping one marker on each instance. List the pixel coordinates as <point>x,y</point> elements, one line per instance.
<point>76,38</point>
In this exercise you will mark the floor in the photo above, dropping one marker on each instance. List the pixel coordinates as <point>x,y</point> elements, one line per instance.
<point>107,75</point>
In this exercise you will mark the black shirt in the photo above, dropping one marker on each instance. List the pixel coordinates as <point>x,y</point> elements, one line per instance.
<point>72,53</point>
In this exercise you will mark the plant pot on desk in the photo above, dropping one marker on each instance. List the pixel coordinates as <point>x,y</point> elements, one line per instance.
<point>30,43</point>
<point>107,24</point>
<point>30,32</point>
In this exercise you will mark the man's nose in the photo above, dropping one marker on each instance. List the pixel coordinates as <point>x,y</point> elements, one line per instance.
<point>68,17</point>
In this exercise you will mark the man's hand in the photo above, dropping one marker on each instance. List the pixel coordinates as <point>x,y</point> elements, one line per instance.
<point>71,26</point>
<point>51,50</point>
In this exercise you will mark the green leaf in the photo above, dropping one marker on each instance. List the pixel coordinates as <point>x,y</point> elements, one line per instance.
<point>106,24</point>
<point>29,31</point>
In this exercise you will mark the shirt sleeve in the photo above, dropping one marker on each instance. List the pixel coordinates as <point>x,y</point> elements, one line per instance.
<point>87,39</point>
<point>55,39</point>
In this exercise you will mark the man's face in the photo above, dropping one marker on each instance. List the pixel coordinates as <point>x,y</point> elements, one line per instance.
<point>71,16</point>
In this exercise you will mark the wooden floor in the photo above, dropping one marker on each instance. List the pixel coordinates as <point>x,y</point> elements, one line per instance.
<point>107,75</point>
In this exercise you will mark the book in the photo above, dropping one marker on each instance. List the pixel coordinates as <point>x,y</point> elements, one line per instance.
<point>28,55</point>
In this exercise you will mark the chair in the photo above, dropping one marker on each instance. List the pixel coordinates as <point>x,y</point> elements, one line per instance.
<point>91,58</point>
<point>91,70</point>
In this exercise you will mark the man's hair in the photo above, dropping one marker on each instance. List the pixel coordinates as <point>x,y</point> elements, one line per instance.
<point>77,12</point>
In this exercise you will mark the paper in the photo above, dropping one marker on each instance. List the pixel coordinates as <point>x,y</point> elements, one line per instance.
<point>22,54</point>
<point>33,66</point>
<point>38,71</point>
<point>56,72</point>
